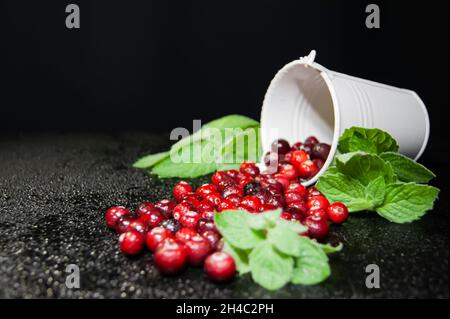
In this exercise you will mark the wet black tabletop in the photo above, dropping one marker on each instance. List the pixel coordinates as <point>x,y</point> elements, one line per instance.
<point>55,188</point>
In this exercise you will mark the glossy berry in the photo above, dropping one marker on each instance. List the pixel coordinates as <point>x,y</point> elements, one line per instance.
<point>282,180</point>
<point>321,213</point>
<point>321,150</point>
<point>319,163</point>
<point>251,203</point>
<point>205,207</point>
<point>298,207</point>
<point>232,190</point>
<point>206,189</point>
<point>155,218</point>
<point>197,248</point>
<point>244,180</point>
<point>212,237</point>
<point>235,199</point>
<point>139,226</point>
<point>286,216</point>
<point>313,191</point>
<point>185,234</point>
<point>220,267</point>
<point>170,257</point>
<point>316,202</point>
<point>156,236</point>
<point>204,225</point>
<point>209,216</point>
<point>252,188</point>
<point>172,225</point>
<point>226,204</point>
<point>337,213</point>
<point>131,242</point>
<point>181,209</point>
<point>311,141</point>
<point>180,190</point>
<point>264,196</point>
<point>193,199</point>
<point>165,207</point>
<point>123,223</point>
<point>249,168</point>
<point>214,199</point>
<point>297,146</point>
<point>232,173</point>
<point>190,219</point>
<point>298,157</point>
<point>219,177</point>
<point>318,227</point>
<point>298,188</point>
<point>288,171</point>
<point>144,208</point>
<point>280,146</point>
<point>292,196</point>
<point>113,214</point>
<point>307,169</point>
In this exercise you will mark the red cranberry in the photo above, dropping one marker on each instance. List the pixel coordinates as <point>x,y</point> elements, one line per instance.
<point>232,190</point>
<point>192,199</point>
<point>286,216</point>
<point>144,208</point>
<point>244,180</point>
<point>190,219</point>
<point>280,146</point>
<point>288,171</point>
<point>319,163</point>
<point>307,149</point>
<point>198,248</point>
<point>317,202</point>
<point>292,196</point>
<point>337,212</point>
<point>208,215</point>
<point>276,201</point>
<point>170,257</point>
<point>113,214</point>
<point>311,141</point>
<point>212,237</point>
<point>297,187</point>
<point>252,188</point>
<point>307,169</point>
<point>214,199</point>
<point>264,196</point>
<point>219,177</point>
<point>220,266</point>
<point>266,207</point>
<point>249,168</point>
<point>251,203</point>
<point>271,182</point>
<point>283,180</point>
<point>313,191</point>
<point>298,207</point>
<point>123,223</point>
<point>139,226</point>
<point>318,227</point>
<point>205,207</point>
<point>299,157</point>
<point>156,236</point>
<point>131,242</point>
<point>232,173</point>
<point>165,207</point>
<point>185,234</point>
<point>235,199</point>
<point>226,204</point>
<point>287,157</point>
<point>182,209</point>
<point>297,146</point>
<point>155,219</point>
<point>321,213</point>
<point>180,190</point>
<point>172,225</point>
<point>321,150</point>
<point>204,225</point>
<point>206,189</point>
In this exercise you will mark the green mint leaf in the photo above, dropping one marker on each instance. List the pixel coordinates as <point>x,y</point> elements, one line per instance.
<point>406,169</point>
<point>375,191</point>
<point>240,257</point>
<point>292,226</point>
<point>150,160</point>
<point>327,248</point>
<point>311,267</point>
<point>285,240</point>
<point>234,228</point>
<point>365,167</point>
<point>405,203</point>
<point>244,146</point>
<point>367,140</point>
<point>263,220</point>
<point>341,188</point>
<point>270,268</point>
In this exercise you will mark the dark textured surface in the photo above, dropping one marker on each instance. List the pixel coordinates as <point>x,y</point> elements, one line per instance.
<point>55,188</point>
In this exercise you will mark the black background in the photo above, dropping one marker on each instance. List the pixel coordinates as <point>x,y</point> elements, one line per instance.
<point>156,65</point>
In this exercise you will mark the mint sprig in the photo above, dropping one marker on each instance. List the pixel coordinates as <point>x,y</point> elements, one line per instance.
<point>271,249</point>
<point>369,174</point>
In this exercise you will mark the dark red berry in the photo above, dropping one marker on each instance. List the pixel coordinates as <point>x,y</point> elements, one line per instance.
<point>276,201</point>
<point>193,199</point>
<point>139,226</point>
<point>190,219</point>
<point>311,141</point>
<point>321,213</point>
<point>144,208</point>
<point>252,188</point>
<point>204,225</point>
<point>197,248</point>
<point>251,204</point>
<point>313,191</point>
<point>170,257</point>
<point>226,204</point>
<point>280,146</point>
<point>337,213</point>
<point>264,196</point>
<point>206,189</point>
<point>214,199</point>
<point>270,181</point>
<point>232,190</point>
<point>298,207</point>
<point>297,187</point>
<point>165,207</point>
<point>220,267</point>
<point>185,234</point>
<point>292,196</point>
<point>208,215</point>
<point>232,173</point>
<point>244,180</point>
<point>219,177</point>
<point>181,209</point>
<point>172,225</point>
<point>156,236</point>
<point>272,159</point>
<point>316,202</point>
<point>249,168</point>
<point>113,214</point>
<point>321,150</point>
<point>297,146</point>
<point>284,182</point>
<point>286,216</point>
<point>131,242</point>
<point>288,171</point>
<point>123,223</point>
<point>155,219</point>
<point>235,199</point>
<point>205,207</point>
<point>319,163</point>
<point>298,157</point>
<point>307,149</point>
<point>180,190</point>
<point>212,237</point>
<point>307,169</point>
<point>318,227</point>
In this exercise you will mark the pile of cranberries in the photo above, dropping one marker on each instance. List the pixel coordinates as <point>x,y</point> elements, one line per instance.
<point>182,232</point>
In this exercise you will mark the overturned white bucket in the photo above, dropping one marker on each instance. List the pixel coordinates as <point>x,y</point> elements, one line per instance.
<point>304,98</point>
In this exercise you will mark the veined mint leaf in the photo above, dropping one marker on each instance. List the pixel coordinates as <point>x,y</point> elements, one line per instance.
<point>406,169</point>
<point>292,226</point>
<point>233,226</point>
<point>240,257</point>
<point>263,220</point>
<point>285,240</point>
<point>365,167</point>
<point>341,188</point>
<point>311,267</point>
<point>327,248</point>
<point>405,203</point>
<point>375,191</point>
<point>270,268</point>
<point>374,141</point>
<point>150,160</point>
